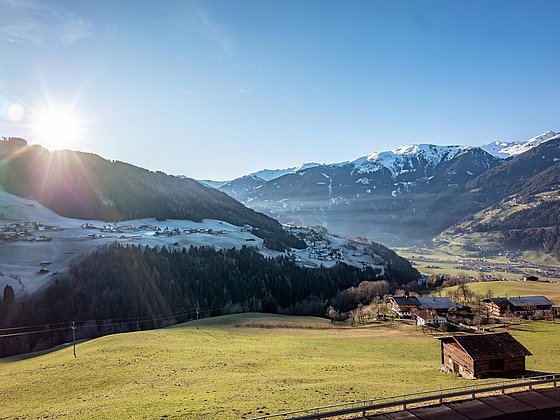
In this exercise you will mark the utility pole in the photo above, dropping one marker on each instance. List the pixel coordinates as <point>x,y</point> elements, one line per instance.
<point>74,336</point>
<point>197,312</point>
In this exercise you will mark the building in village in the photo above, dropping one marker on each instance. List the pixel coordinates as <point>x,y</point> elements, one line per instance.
<point>431,318</point>
<point>441,305</point>
<point>518,306</point>
<point>407,306</point>
<point>404,306</point>
<point>476,356</point>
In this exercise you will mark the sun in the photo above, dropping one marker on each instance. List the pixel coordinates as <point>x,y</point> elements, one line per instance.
<point>58,127</point>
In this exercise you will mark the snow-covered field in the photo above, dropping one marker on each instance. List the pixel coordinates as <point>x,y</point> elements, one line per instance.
<point>28,264</point>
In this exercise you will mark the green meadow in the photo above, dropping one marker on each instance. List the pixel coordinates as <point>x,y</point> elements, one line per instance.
<point>237,366</point>
<point>230,367</point>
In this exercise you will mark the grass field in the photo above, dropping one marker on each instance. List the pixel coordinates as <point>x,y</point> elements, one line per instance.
<point>515,288</point>
<point>237,366</point>
<point>233,366</point>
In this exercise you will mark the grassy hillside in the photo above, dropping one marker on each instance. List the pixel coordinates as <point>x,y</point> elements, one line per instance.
<point>237,366</point>
<point>516,288</point>
<point>232,366</point>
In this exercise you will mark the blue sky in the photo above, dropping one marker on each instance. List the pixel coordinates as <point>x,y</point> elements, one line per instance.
<point>217,89</point>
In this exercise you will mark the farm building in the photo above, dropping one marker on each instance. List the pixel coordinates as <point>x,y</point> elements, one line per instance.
<point>475,356</point>
<point>407,306</point>
<point>441,305</point>
<point>429,318</point>
<point>521,305</point>
<point>404,306</point>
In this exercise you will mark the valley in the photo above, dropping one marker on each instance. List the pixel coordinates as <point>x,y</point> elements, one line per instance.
<point>279,209</point>
<point>455,260</point>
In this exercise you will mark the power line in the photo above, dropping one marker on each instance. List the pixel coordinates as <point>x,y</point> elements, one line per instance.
<point>144,319</point>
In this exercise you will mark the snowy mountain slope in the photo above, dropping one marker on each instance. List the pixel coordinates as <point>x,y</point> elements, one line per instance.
<point>212,184</point>
<point>407,158</point>
<point>36,243</point>
<point>505,150</point>
<point>86,186</point>
<point>389,196</point>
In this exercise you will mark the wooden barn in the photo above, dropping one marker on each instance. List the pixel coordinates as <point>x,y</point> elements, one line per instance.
<point>521,305</point>
<point>476,356</point>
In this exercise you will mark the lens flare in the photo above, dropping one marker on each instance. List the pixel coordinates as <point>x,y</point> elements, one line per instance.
<point>16,112</point>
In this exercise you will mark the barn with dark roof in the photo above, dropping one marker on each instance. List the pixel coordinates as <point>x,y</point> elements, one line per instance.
<point>521,305</point>
<point>476,356</point>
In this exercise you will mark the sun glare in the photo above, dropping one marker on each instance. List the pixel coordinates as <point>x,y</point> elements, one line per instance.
<point>58,127</point>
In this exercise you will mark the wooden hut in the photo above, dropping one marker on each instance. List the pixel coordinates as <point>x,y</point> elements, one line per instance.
<point>475,356</point>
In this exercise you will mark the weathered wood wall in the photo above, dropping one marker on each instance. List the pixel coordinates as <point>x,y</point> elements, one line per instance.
<point>511,364</point>
<point>452,353</point>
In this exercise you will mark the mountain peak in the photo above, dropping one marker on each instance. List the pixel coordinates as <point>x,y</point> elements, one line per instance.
<point>504,150</point>
<point>405,158</point>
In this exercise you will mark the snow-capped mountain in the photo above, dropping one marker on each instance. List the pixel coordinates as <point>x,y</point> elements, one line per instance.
<point>504,150</point>
<point>406,158</point>
<point>384,193</point>
<point>256,178</point>
<point>411,192</point>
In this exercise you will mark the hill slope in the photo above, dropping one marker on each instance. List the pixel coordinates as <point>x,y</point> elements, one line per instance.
<point>86,186</point>
<point>526,212</point>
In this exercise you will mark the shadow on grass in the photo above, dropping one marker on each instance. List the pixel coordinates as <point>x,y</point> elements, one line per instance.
<point>31,355</point>
<point>520,375</point>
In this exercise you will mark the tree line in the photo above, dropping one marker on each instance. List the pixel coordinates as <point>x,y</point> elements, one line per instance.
<point>132,282</point>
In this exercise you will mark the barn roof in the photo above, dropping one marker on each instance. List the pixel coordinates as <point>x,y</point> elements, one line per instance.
<point>502,303</point>
<point>437,302</point>
<point>530,301</point>
<point>406,300</point>
<point>488,346</point>
<point>520,301</point>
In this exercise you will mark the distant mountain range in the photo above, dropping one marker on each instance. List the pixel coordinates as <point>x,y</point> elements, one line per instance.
<point>405,195</point>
